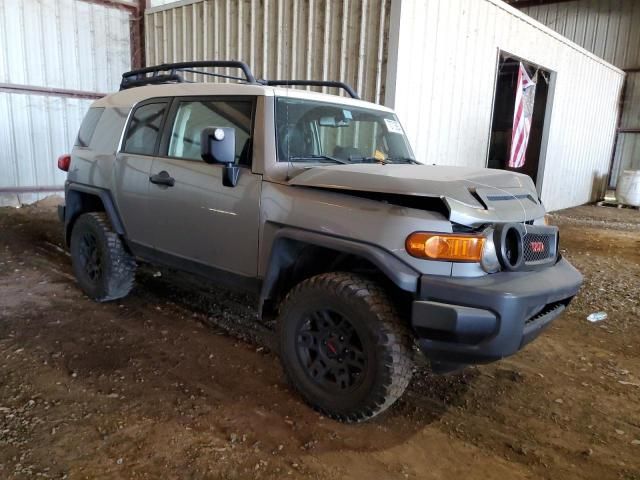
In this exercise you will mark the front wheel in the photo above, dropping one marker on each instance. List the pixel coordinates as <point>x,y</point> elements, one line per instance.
<point>343,346</point>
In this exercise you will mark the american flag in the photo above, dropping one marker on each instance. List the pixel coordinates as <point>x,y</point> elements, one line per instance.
<point>525,96</point>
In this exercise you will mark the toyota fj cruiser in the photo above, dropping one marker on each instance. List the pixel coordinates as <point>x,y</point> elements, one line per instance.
<point>316,204</point>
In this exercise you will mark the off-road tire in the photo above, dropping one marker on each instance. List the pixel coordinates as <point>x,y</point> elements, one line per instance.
<point>117,266</point>
<point>385,342</point>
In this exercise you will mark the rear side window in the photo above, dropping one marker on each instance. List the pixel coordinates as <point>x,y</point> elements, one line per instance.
<point>144,129</point>
<point>88,126</point>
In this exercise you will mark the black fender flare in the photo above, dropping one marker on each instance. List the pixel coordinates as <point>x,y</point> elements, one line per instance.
<point>73,206</point>
<point>400,273</point>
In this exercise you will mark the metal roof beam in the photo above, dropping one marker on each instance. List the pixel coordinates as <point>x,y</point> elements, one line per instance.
<point>533,3</point>
<point>48,92</point>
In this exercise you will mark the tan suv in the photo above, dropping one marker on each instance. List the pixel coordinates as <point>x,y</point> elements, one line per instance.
<point>315,204</point>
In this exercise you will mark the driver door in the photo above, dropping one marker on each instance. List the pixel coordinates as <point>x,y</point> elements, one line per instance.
<point>197,218</point>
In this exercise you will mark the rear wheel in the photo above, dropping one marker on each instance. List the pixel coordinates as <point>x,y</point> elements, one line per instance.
<point>343,347</point>
<point>104,269</point>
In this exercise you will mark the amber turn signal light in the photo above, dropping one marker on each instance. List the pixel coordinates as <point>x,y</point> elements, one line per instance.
<point>438,246</point>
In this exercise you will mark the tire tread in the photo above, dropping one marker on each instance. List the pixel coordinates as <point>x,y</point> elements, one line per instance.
<point>394,341</point>
<point>122,264</point>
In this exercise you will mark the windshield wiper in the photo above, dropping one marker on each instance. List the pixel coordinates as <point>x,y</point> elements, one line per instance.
<point>382,161</point>
<point>355,159</point>
<point>310,158</point>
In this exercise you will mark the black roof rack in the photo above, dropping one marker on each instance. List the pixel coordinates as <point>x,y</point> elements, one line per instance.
<point>312,83</point>
<point>169,73</point>
<point>140,77</point>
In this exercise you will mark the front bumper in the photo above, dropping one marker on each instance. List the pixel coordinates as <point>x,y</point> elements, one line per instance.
<point>460,321</point>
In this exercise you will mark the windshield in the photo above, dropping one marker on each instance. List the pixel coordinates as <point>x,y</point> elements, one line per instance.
<point>310,131</point>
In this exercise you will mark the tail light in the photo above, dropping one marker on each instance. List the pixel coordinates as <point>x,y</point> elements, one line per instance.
<point>64,162</point>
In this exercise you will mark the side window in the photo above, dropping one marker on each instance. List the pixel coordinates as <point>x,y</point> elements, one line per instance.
<point>144,129</point>
<point>193,116</point>
<point>88,126</point>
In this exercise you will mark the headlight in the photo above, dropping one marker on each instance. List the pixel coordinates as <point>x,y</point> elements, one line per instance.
<point>455,248</point>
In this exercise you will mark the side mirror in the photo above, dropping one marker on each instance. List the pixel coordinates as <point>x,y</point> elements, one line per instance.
<point>218,145</point>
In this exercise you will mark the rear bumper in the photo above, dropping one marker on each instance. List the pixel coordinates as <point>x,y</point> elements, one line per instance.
<point>461,321</point>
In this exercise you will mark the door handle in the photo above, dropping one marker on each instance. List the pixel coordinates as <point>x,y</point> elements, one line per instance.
<point>163,178</point>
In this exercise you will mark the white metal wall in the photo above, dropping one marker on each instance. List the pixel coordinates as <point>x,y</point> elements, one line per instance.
<point>442,69</point>
<point>611,30</point>
<point>57,44</point>
<point>293,39</point>
<point>35,130</point>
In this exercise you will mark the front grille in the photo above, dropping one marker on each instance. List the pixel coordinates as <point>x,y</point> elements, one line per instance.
<point>539,248</point>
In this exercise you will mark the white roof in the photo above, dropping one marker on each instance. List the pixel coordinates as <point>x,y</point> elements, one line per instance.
<point>128,98</point>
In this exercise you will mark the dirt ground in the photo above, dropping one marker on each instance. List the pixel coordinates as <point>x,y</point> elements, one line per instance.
<point>177,381</point>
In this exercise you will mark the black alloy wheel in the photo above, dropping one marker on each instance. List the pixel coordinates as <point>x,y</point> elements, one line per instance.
<point>331,350</point>
<point>90,257</point>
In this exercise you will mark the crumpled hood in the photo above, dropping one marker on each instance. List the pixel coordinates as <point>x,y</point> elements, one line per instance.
<point>474,196</point>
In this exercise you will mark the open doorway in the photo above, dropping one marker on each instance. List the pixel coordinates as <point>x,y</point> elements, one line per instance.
<point>500,148</point>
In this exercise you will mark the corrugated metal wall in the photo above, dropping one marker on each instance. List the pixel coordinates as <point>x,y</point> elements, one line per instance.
<point>444,94</point>
<point>293,39</point>
<point>57,44</point>
<point>611,30</point>
<point>608,28</point>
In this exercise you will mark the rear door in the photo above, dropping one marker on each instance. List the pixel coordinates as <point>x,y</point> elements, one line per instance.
<point>133,165</point>
<point>196,217</point>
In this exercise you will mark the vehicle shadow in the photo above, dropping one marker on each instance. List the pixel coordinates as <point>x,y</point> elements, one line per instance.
<point>426,400</point>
